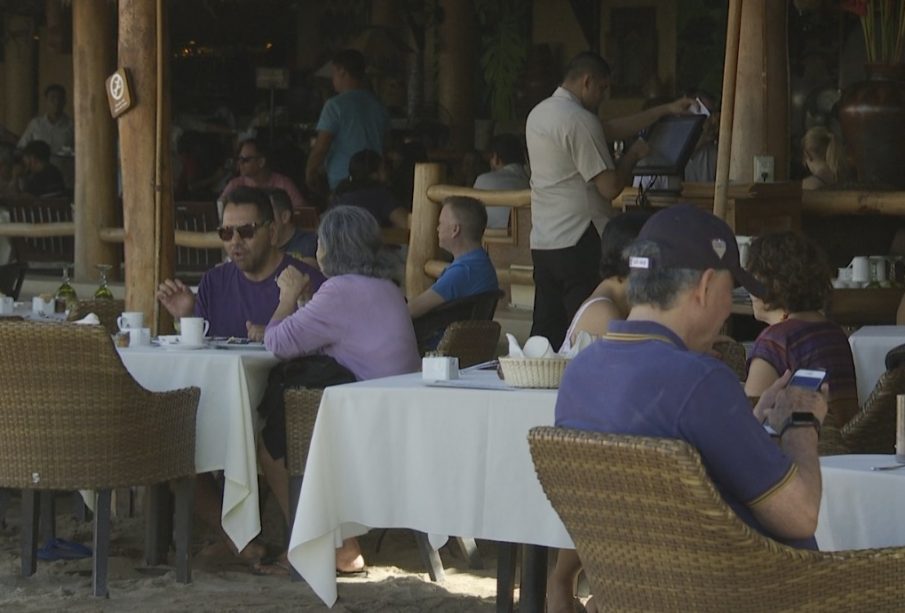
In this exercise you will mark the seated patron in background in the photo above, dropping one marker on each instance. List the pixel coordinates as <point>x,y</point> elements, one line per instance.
<point>254,172</point>
<point>460,231</point>
<point>40,178</point>
<point>820,154</point>
<point>701,166</point>
<point>238,297</point>
<point>796,274</point>
<point>507,172</point>
<point>365,188</point>
<point>358,317</point>
<point>650,376</point>
<point>291,240</point>
<point>54,127</point>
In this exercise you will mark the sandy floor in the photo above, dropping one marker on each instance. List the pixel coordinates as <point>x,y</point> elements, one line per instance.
<point>396,580</point>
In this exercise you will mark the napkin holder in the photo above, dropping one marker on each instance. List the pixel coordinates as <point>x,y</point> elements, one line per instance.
<point>439,368</point>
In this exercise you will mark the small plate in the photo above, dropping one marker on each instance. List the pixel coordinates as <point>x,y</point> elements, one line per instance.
<point>174,342</point>
<point>237,343</point>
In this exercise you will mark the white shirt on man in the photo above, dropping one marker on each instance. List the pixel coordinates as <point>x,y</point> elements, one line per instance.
<point>509,177</point>
<point>60,135</point>
<point>566,150</point>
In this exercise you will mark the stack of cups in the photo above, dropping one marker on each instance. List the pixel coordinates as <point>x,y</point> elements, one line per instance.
<point>132,323</point>
<point>900,428</point>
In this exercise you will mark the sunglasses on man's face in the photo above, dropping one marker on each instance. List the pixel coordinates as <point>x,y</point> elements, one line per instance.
<point>245,231</point>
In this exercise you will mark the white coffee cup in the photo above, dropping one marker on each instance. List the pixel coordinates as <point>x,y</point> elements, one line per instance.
<point>130,320</point>
<point>192,330</point>
<point>7,305</point>
<point>41,307</point>
<point>861,269</point>
<point>139,336</point>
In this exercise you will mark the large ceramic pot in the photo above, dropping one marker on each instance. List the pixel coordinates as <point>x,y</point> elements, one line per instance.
<point>872,114</point>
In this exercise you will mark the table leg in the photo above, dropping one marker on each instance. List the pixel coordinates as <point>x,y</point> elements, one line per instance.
<point>158,523</point>
<point>48,516</point>
<point>533,587</point>
<point>430,557</point>
<point>31,510</point>
<point>505,576</point>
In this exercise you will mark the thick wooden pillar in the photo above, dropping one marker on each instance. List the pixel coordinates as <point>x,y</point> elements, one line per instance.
<point>18,74</point>
<point>94,54</point>
<point>143,131</point>
<point>423,243</point>
<point>457,65</point>
<point>761,118</point>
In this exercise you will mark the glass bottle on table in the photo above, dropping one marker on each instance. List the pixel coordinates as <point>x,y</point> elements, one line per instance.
<point>65,298</point>
<point>103,291</point>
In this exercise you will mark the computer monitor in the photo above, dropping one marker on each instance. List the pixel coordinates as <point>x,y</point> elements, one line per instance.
<point>671,140</point>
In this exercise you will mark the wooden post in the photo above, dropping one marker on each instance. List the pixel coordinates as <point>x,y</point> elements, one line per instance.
<point>761,124</point>
<point>147,191</point>
<point>18,72</point>
<point>727,114</point>
<point>423,243</point>
<point>93,54</point>
<point>457,65</point>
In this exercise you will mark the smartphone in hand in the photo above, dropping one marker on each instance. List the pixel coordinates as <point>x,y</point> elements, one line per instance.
<point>810,379</point>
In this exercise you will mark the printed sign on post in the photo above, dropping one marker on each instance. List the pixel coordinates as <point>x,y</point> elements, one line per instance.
<point>119,94</point>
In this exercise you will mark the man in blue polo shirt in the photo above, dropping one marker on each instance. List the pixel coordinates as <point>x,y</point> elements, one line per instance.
<point>650,376</point>
<point>460,231</point>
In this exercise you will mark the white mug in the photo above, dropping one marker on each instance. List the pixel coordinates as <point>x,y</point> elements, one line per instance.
<point>192,330</point>
<point>130,320</point>
<point>861,269</point>
<point>7,305</point>
<point>39,306</point>
<point>139,336</point>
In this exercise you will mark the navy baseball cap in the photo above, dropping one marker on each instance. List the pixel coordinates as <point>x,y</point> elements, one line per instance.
<point>695,239</point>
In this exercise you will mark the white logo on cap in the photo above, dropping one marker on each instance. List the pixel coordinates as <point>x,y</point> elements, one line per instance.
<point>719,247</point>
<point>637,262</point>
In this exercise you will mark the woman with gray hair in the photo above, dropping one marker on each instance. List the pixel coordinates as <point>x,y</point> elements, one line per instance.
<point>358,317</point>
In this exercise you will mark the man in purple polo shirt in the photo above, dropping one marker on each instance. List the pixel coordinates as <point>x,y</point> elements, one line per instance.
<point>651,376</point>
<point>239,297</point>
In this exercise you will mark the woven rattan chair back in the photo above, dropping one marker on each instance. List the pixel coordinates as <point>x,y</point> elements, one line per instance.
<point>873,428</point>
<point>71,416</point>
<point>472,342</point>
<point>653,534</point>
<point>733,354</point>
<point>106,310</point>
<point>301,413</point>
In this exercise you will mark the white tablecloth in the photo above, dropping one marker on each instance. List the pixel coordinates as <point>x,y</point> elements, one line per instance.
<point>870,345</point>
<point>396,453</point>
<point>232,383</point>
<point>860,508</point>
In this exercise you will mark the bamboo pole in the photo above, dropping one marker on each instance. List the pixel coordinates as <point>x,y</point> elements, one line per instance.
<point>423,243</point>
<point>457,65</point>
<point>730,68</point>
<point>513,198</point>
<point>95,179</point>
<point>18,71</point>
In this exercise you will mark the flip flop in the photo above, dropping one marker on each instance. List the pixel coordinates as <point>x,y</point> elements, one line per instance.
<point>352,574</point>
<point>60,549</point>
<point>273,568</point>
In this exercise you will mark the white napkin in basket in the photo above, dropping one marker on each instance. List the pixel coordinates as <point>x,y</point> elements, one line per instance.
<point>539,347</point>
<point>90,319</point>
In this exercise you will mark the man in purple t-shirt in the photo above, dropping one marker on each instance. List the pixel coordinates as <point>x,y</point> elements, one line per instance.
<point>239,297</point>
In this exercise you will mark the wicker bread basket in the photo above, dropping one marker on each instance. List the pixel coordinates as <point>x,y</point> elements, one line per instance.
<point>533,372</point>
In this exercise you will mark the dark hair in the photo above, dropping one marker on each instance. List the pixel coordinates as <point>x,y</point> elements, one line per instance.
<point>279,199</point>
<point>261,148</point>
<point>509,148</point>
<point>618,234</point>
<point>363,164</point>
<point>793,268</point>
<point>470,213</point>
<point>350,60</point>
<point>37,149</point>
<point>258,198</point>
<point>55,87</point>
<point>587,63</point>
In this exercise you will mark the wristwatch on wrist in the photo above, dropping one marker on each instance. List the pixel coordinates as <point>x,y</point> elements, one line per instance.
<point>799,419</point>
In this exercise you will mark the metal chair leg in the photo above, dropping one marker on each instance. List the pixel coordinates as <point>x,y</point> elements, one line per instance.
<point>101,543</point>
<point>430,557</point>
<point>507,554</point>
<point>31,510</point>
<point>469,550</point>
<point>48,516</point>
<point>184,506</point>
<point>158,523</point>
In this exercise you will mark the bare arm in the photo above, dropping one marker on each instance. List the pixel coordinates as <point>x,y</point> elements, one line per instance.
<point>399,217</point>
<point>596,319</point>
<point>761,375</point>
<point>791,511</point>
<point>621,128</point>
<point>428,300</point>
<point>611,182</point>
<point>316,157</point>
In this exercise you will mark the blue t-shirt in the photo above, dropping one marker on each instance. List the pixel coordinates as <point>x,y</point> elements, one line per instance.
<point>301,245</point>
<point>469,274</point>
<point>227,298</point>
<point>357,120</point>
<point>641,379</point>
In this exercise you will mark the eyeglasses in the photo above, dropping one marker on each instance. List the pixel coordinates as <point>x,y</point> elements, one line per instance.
<point>247,158</point>
<point>245,231</point>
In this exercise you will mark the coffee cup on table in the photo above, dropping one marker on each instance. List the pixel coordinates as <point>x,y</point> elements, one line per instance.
<point>861,269</point>
<point>7,305</point>
<point>131,320</point>
<point>139,336</point>
<point>192,330</point>
<point>42,306</point>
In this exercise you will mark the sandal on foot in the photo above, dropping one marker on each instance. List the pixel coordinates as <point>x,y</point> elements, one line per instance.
<point>60,549</point>
<point>361,573</point>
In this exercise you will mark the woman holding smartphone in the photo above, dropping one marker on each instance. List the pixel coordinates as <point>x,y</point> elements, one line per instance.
<point>797,276</point>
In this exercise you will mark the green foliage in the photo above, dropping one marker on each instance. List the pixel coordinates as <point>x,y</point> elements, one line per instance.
<point>504,49</point>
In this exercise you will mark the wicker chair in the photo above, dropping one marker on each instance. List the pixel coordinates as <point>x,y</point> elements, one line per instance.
<point>733,354</point>
<point>106,310</point>
<point>873,428</point>
<point>479,307</point>
<point>653,534</point>
<point>472,342</point>
<point>71,417</point>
